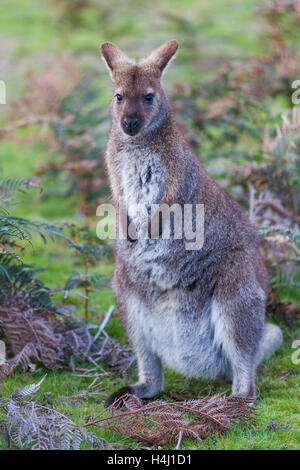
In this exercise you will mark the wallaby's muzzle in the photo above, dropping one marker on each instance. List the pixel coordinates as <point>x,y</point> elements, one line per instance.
<point>131,124</point>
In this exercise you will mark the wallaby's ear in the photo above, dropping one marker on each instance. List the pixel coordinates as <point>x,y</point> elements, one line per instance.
<point>113,57</point>
<point>161,57</point>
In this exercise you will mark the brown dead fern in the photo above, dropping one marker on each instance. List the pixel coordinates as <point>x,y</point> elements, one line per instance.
<point>34,334</point>
<point>162,422</point>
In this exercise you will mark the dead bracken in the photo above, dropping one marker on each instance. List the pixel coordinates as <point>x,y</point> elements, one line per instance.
<point>34,334</point>
<point>162,422</point>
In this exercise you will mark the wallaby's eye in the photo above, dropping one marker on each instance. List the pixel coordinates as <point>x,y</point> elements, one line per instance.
<point>119,97</point>
<point>149,98</point>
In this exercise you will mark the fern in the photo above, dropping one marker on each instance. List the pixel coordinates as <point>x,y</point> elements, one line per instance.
<point>9,186</point>
<point>14,275</point>
<point>30,425</point>
<point>28,390</point>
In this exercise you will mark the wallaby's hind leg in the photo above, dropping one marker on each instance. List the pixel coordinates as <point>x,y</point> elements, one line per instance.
<point>244,373</point>
<point>271,340</point>
<point>239,325</point>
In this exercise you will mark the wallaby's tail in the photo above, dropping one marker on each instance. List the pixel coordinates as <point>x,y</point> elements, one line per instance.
<point>272,339</point>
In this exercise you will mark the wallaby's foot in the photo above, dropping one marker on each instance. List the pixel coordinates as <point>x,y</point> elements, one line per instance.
<point>115,398</point>
<point>244,387</point>
<point>141,390</point>
<point>250,399</point>
<point>243,378</point>
<point>243,383</point>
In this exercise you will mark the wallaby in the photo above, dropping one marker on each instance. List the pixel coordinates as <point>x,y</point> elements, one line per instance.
<point>200,312</point>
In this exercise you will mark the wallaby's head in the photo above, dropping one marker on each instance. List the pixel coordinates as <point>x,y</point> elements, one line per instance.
<point>139,103</point>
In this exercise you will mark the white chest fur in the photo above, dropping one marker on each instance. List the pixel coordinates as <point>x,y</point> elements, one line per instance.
<point>142,175</point>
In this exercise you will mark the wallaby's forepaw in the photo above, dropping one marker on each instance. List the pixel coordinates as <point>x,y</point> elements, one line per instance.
<point>116,397</point>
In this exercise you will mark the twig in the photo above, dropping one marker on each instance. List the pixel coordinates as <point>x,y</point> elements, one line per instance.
<point>179,441</point>
<point>104,322</point>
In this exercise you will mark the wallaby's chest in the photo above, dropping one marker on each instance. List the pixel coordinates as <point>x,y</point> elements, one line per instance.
<point>142,176</point>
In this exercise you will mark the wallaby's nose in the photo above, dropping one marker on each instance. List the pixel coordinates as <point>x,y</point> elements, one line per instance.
<point>131,124</point>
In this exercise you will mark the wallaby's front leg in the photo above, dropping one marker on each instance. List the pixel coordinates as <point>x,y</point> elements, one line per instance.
<point>151,380</point>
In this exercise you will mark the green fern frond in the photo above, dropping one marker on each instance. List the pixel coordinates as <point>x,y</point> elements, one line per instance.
<point>9,186</point>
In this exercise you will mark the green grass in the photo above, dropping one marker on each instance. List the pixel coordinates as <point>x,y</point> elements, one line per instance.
<point>279,402</point>
<point>211,30</point>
